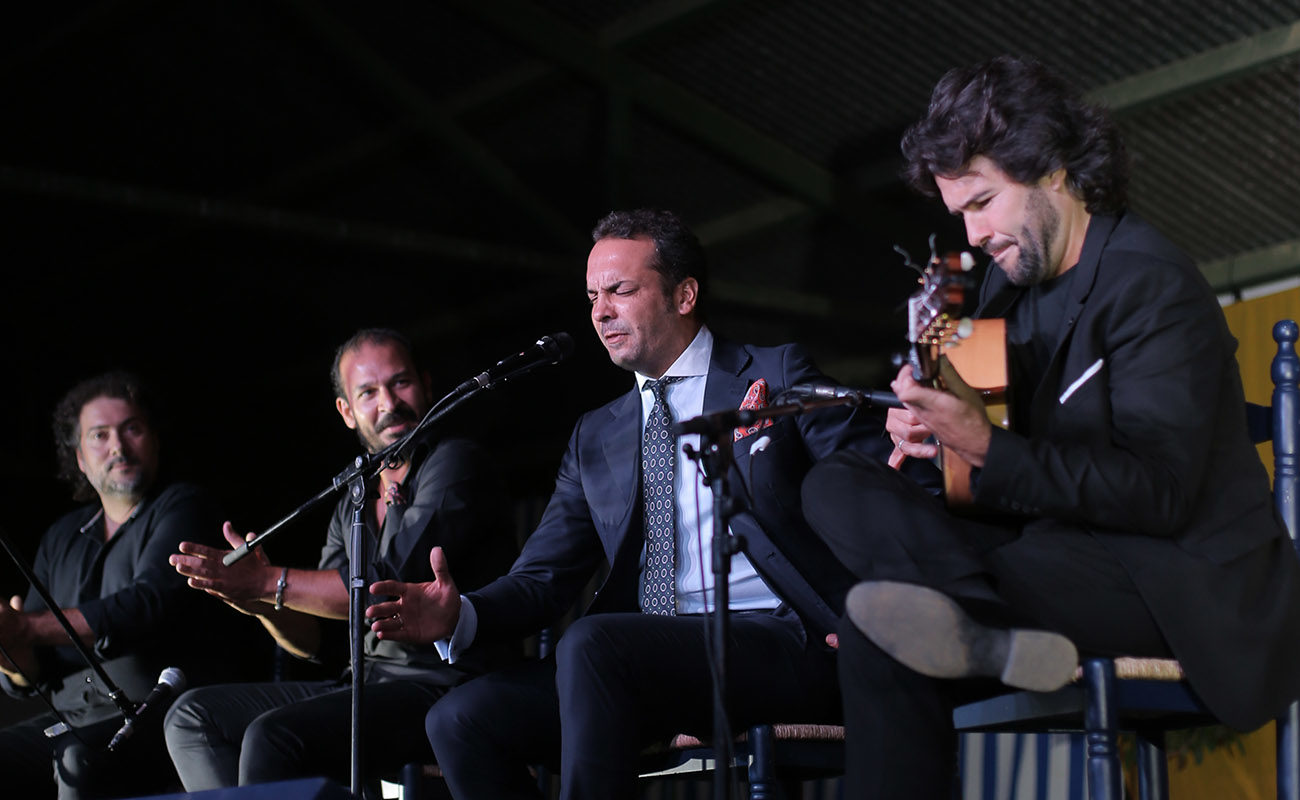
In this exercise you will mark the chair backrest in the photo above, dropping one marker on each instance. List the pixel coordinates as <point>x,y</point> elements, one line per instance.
<point>1286,423</point>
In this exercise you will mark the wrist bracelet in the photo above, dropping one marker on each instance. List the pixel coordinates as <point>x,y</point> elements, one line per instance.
<point>280,586</point>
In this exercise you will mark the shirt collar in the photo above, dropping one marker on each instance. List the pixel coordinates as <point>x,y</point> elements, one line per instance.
<point>99,514</point>
<point>692,363</point>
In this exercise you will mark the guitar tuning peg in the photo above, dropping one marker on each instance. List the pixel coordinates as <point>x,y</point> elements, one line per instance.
<point>965,327</point>
<point>967,261</point>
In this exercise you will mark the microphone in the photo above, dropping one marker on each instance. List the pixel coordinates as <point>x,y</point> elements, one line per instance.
<point>830,391</point>
<point>546,350</point>
<point>170,682</point>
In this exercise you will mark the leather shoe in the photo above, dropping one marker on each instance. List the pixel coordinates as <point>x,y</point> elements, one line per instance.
<point>927,631</point>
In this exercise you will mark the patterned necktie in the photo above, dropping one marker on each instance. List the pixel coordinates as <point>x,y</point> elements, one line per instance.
<point>658,464</point>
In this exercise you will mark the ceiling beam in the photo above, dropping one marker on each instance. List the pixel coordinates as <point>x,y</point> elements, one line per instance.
<point>750,220</point>
<point>356,233</point>
<point>198,208</point>
<point>1256,266</point>
<point>1135,92</point>
<point>656,19</point>
<point>1199,71</point>
<point>412,100</point>
<point>579,52</point>
<point>651,21</point>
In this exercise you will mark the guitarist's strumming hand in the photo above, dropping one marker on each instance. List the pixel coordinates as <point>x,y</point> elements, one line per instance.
<point>954,415</point>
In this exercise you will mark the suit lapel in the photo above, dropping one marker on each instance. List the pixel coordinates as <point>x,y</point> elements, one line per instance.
<point>621,443</point>
<point>1085,278</point>
<point>725,387</point>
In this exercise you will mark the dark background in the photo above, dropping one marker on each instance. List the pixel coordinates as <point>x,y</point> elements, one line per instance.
<point>215,194</point>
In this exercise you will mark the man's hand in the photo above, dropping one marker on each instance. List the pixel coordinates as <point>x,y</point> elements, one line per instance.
<point>955,415</point>
<point>422,612</point>
<point>908,434</point>
<point>243,584</point>
<point>16,635</point>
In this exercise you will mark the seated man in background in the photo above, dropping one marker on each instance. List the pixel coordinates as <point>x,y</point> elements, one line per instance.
<point>446,495</point>
<point>1125,512</point>
<point>105,565</point>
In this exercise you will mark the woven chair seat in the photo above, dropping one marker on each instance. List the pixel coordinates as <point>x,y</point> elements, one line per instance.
<point>797,732</point>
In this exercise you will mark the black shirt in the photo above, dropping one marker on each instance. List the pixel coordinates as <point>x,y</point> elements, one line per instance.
<point>143,615</point>
<point>451,498</point>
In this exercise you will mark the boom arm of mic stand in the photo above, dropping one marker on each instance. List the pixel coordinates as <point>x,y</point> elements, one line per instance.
<point>717,422</point>
<point>115,694</point>
<point>362,465</point>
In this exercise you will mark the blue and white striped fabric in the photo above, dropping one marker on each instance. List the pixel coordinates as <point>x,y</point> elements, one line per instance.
<point>1029,766</point>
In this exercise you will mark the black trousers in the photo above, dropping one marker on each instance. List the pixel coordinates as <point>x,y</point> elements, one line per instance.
<point>246,733</point>
<point>899,735</point>
<point>617,683</point>
<point>77,765</point>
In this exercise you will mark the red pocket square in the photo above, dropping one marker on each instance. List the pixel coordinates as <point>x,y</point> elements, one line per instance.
<point>755,398</point>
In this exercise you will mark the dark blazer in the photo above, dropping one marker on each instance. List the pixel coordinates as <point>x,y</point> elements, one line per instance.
<point>595,513</point>
<point>1138,436</point>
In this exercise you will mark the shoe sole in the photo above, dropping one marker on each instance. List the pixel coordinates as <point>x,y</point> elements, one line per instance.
<point>927,631</point>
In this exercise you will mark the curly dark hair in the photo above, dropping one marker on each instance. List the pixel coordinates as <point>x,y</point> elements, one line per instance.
<point>1026,120</point>
<point>67,421</point>
<point>678,252</point>
<point>374,336</point>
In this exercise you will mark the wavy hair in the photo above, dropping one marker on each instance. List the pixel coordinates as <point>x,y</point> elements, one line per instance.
<point>67,421</point>
<point>1026,120</point>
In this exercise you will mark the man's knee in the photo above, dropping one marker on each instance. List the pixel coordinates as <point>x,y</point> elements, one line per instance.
<point>189,715</point>
<point>842,474</point>
<point>450,722</point>
<point>580,637</point>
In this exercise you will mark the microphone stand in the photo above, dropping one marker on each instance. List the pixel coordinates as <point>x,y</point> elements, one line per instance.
<point>115,694</point>
<point>717,457</point>
<point>354,476</point>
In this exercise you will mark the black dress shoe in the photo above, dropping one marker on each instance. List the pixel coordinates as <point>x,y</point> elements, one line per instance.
<point>927,631</point>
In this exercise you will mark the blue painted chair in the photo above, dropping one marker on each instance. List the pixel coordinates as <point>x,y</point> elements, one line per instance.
<point>1149,696</point>
<point>769,759</point>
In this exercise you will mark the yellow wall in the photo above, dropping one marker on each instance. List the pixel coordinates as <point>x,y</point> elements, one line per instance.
<point>1227,773</point>
<point>1252,323</point>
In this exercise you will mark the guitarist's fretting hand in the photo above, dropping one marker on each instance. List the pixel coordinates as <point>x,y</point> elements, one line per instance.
<point>954,415</point>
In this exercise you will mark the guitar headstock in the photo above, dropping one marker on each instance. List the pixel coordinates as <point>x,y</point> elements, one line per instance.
<point>934,312</point>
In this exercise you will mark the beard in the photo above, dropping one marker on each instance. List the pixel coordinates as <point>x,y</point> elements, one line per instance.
<point>372,440</point>
<point>128,486</point>
<point>1035,242</point>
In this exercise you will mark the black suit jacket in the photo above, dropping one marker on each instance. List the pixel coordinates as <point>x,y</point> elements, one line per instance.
<point>595,512</point>
<point>1137,435</point>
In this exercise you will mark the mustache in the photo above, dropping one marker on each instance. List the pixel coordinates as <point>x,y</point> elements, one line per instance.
<point>121,461</point>
<point>992,247</point>
<point>395,417</point>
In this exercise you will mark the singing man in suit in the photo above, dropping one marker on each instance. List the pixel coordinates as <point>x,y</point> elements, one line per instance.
<point>635,666</point>
<point>1126,512</point>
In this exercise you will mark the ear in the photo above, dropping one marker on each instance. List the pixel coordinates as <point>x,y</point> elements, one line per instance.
<point>81,462</point>
<point>1057,180</point>
<point>685,296</point>
<point>345,411</point>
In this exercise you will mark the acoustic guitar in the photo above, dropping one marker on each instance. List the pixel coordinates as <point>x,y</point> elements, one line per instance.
<point>976,348</point>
